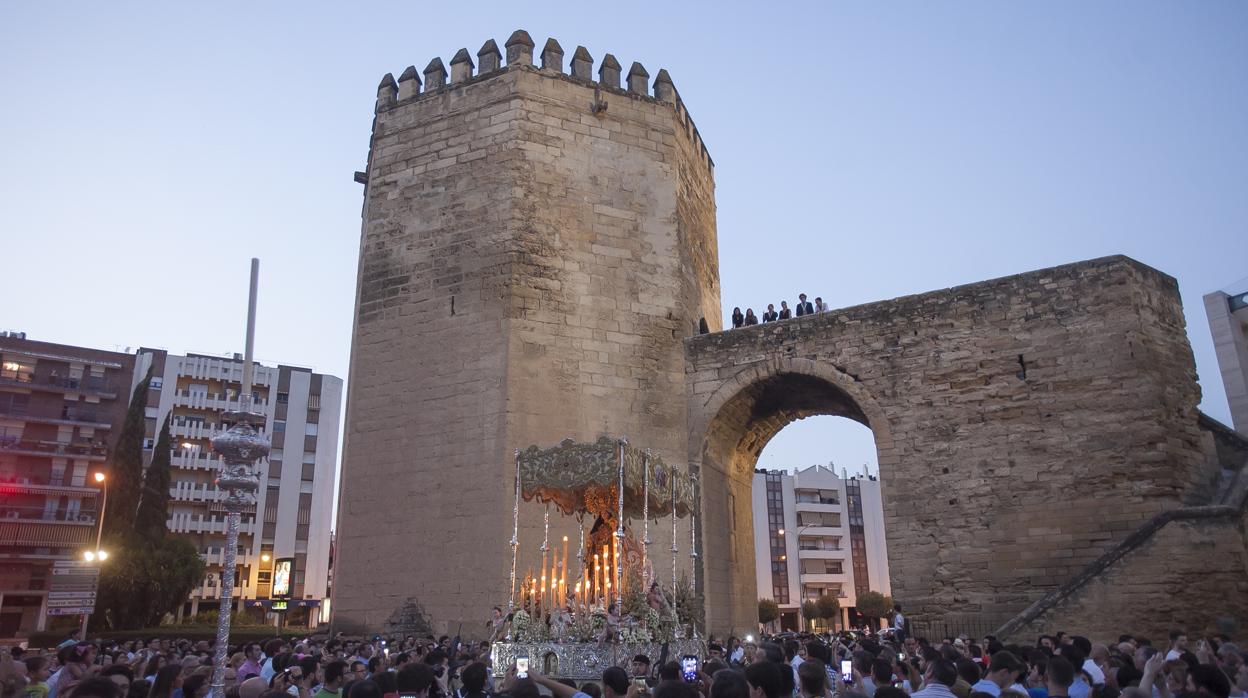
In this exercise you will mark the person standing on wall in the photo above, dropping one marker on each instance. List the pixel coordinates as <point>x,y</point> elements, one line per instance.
<point>803,306</point>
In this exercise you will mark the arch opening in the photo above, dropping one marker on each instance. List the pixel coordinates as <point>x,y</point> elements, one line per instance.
<point>743,417</point>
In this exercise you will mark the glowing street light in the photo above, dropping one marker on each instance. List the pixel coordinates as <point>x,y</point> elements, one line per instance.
<point>264,557</point>
<point>89,556</point>
<point>100,476</point>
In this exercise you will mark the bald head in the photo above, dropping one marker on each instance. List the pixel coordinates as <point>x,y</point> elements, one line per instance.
<point>252,688</point>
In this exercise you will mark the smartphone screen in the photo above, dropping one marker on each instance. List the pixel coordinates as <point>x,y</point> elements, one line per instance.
<point>847,671</point>
<point>901,656</point>
<point>640,682</point>
<point>689,667</point>
<point>522,667</point>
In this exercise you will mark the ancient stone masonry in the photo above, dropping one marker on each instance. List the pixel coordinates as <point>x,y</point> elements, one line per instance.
<point>1023,425</point>
<point>537,252</point>
<point>535,248</point>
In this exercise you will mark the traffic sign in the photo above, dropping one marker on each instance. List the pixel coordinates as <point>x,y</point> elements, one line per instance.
<point>69,603</point>
<point>77,611</point>
<point>62,595</point>
<point>74,572</point>
<point>61,564</point>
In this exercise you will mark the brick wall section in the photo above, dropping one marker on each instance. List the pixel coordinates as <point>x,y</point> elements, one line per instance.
<point>580,253</point>
<point>996,486</point>
<point>1190,575</point>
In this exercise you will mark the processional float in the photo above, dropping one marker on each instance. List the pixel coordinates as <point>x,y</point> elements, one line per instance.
<point>576,616</point>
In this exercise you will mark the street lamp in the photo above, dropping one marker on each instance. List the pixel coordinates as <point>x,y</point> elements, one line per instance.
<point>264,557</point>
<point>97,555</point>
<point>102,480</point>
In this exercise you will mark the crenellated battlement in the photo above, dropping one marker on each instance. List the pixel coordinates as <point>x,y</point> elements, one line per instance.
<point>520,56</point>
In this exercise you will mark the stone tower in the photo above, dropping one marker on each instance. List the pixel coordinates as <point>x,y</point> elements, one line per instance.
<point>537,244</point>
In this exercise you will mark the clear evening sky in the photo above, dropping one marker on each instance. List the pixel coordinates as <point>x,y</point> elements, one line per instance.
<point>863,151</point>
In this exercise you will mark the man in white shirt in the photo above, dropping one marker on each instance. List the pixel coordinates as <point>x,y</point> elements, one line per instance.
<point>1003,671</point>
<point>941,674</point>
<point>1178,645</point>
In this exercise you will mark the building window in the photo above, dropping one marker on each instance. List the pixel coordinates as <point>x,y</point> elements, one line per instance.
<point>276,454</point>
<point>309,457</point>
<point>156,383</point>
<point>279,426</point>
<point>283,398</point>
<point>17,371</point>
<point>309,429</point>
<point>14,404</point>
<point>148,444</point>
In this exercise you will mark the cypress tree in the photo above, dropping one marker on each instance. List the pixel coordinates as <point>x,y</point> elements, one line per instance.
<point>126,478</point>
<point>149,522</point>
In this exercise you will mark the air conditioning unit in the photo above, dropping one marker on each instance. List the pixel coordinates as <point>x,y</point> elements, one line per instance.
<point>12,515</point>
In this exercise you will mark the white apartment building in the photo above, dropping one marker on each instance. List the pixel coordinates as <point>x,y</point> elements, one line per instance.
<point>1228,322</point>
<point>817,533</point>
<point>292,514</point>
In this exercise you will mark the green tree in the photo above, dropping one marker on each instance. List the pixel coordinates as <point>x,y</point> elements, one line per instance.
<point>828,607</point>
<point>873,605</point>
<point>810,610</point>
<point>145,579</point>
<point>149,521</point>
<point>126,477</point>
<point>768,611</point>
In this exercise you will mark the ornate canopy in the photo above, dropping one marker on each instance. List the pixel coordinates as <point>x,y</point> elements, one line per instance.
<point>582,477</point>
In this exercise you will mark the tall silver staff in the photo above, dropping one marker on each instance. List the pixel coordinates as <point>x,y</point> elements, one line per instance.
<point>515,536</point>
<point>240,447</point>
<point>645,516</point>
<point>619,535</point>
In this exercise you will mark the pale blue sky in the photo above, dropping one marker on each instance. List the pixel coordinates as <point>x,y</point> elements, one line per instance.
<point>863,151</point>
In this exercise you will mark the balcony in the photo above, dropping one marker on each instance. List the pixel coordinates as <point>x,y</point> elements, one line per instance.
<point>185,460</point>
<point>821,530</point>
<point>828,506</point>
<point>212,401</point>
<point>187,492</point>
<point>821,554</point>
<point>199,523</point>
<point>25,485</point>
<point>46,534</point>
<point>92,451</point>
<point>823,578</point>
<point>185,429</point>
<point>70,416</point>
<point>56,384</point>
<point>35,526</point>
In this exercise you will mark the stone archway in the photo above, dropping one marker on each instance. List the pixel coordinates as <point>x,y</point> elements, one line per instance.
<point>736,422</point>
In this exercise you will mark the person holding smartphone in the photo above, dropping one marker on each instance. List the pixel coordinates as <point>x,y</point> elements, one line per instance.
<point>615,684</point>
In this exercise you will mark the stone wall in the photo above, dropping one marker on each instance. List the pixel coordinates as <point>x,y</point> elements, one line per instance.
<point>535,248</point>
<point>1190,575</point>
<point>1023,424</point>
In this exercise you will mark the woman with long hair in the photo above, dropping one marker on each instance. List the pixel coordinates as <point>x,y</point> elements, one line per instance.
<point>168,680</point>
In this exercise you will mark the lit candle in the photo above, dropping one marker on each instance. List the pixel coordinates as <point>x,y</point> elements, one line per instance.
<point>563,577</point>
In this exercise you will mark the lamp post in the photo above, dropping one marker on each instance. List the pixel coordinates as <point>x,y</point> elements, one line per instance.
<point>96,555</point>
<point>240,447</point>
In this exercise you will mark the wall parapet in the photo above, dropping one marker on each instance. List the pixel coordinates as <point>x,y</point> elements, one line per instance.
<point>519,56</point>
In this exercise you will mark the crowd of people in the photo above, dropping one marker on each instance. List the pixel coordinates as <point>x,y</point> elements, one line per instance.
<point>803,307</point>
<point>845,665</point>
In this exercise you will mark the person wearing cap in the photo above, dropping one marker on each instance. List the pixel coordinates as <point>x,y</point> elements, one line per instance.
<point>641,668</point>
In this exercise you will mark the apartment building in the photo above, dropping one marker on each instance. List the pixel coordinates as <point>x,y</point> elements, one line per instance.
<point>291,517</point>
<point>818,533</point>
<point>1228,323</point>
<point>61,412</point>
